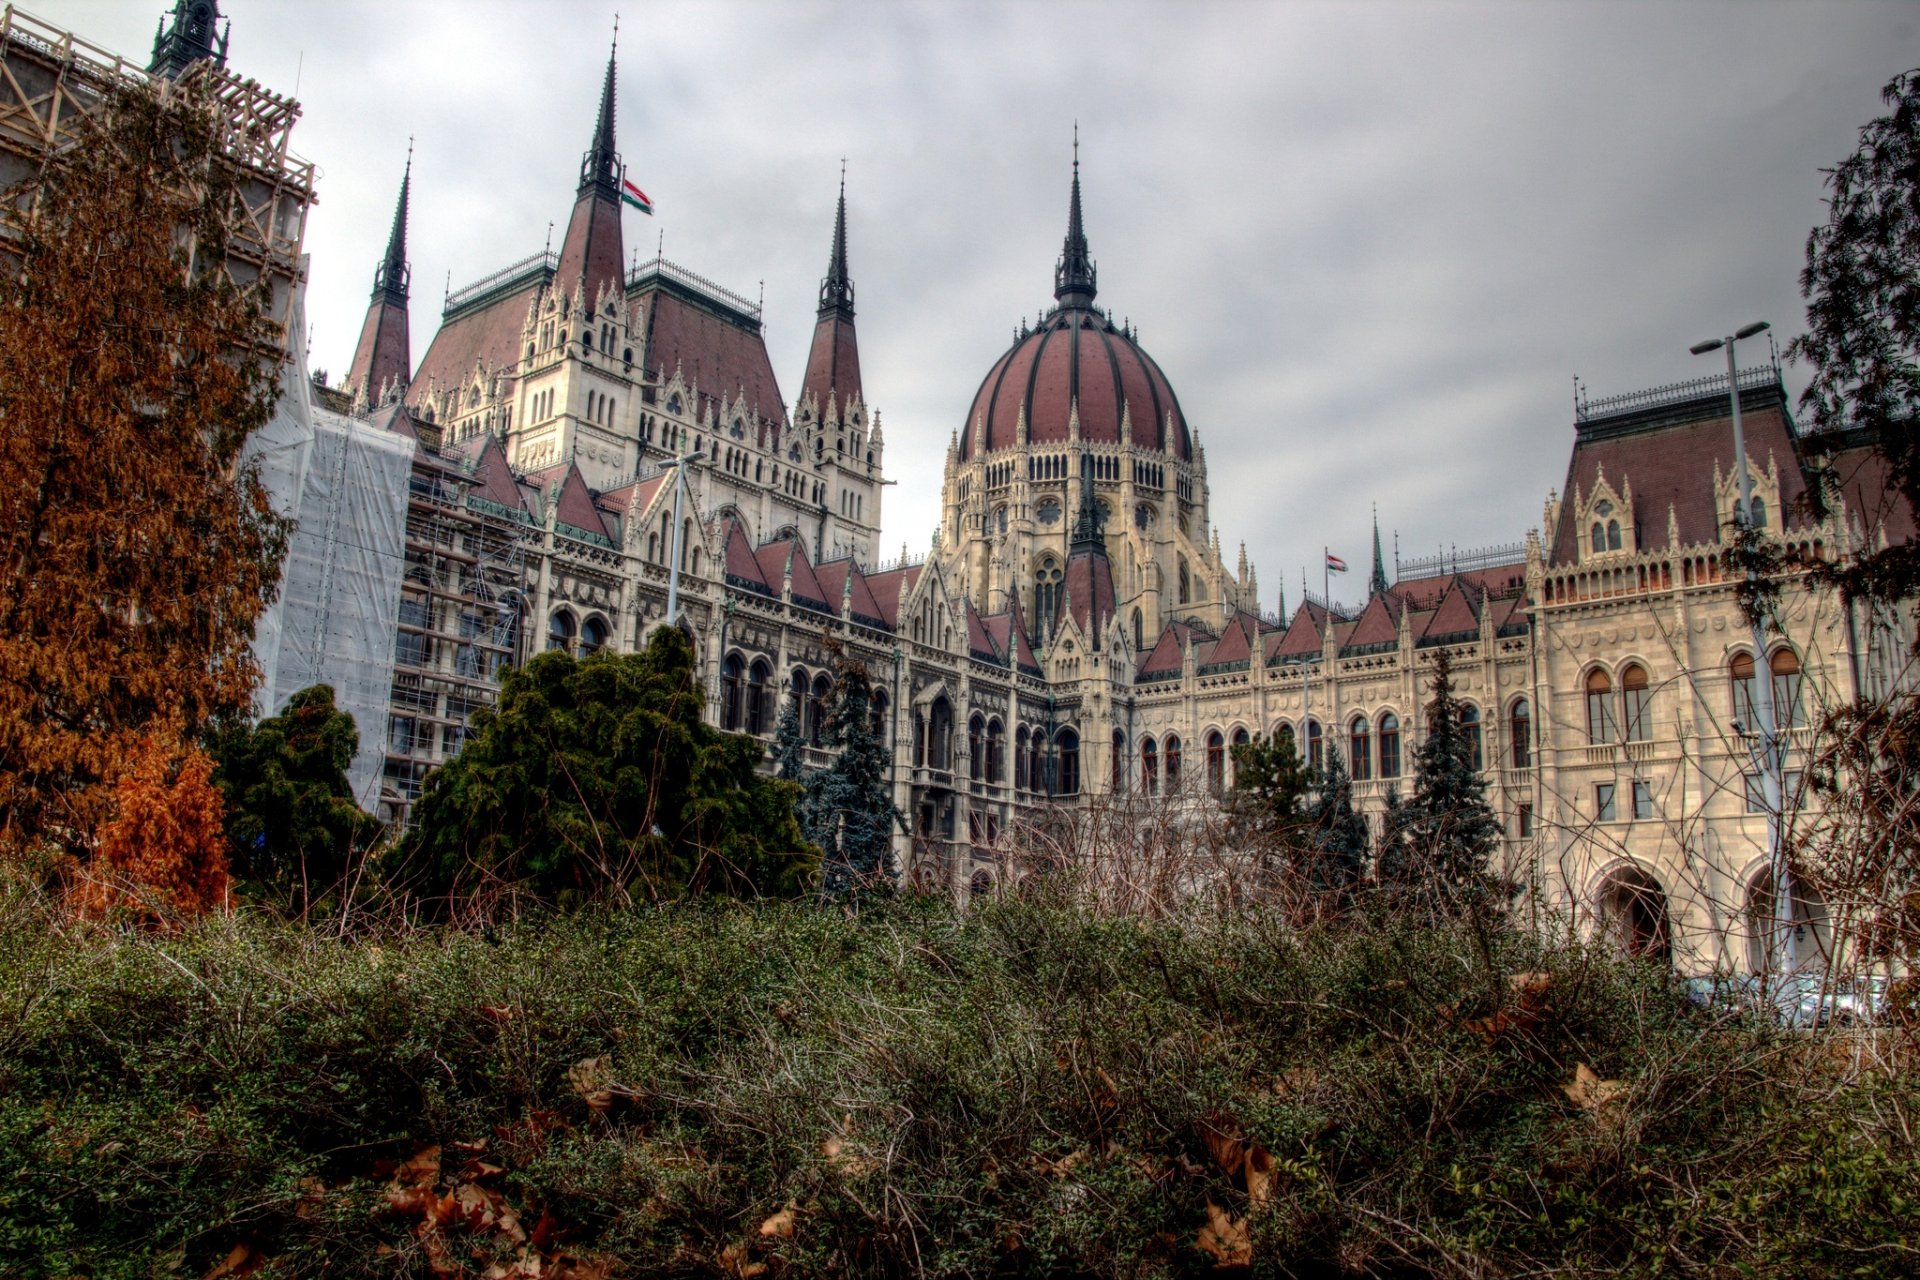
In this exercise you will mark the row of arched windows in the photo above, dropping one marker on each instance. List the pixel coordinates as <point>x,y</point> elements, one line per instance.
<point>1629,716</point>
<point>1375,746</point>
<point>747,704</point>
<point>580,639</point>
<point>1166,754</point>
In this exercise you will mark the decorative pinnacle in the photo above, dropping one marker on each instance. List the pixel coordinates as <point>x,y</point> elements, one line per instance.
<point>836,291</point>
<point>1377,584</point>
<point>1073,278</point>
<point>391,277</point>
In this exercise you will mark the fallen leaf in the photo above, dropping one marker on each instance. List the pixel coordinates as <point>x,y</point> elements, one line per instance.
<point>1061,1168</point>
<point>1589,1092</point>
<point>734,1262</point>
<point>779,1226</point>
<point>841,1157</point>
<point>1530,988</point>
<point>497,1012</point>
<point>422,1169</point>
<point>1226,1240</point>
<point>241,1260</point>
<point>484,1209</point>
<point>1259,1174</point>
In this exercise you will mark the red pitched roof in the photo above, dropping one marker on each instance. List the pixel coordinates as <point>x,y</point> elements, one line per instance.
<point>636,494</point>
<point>1169,650</point>
<point>1089,593</point>
<point>575,504</point>
<point>492,476</point>
<point>718,355</point>
<point>1458,614</point>
<point>979,641</point>
<point>891,587</point>
<point>1304,635</point>
<point>834,576</point>
<point>1379,622</point>
<point>833,363</point>
<point>383,351</point>
<point>776,558</point>
<point>591,257</point>
<point>1234,645</point>
<point>741,561</point>
<point>488,336</point>
<point>1668,458</point>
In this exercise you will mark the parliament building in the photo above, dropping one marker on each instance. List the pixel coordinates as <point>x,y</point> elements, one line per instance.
<point>590,437</point>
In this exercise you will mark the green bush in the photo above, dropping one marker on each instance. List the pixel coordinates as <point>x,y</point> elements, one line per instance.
<point>1025,1089</point>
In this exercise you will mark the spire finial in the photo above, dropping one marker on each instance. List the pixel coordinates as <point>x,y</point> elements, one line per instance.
<point>1377,584</point>
<point>391,277</point>
<point>1073,278</point>
<point>600,167</point>
<point>836,291</point>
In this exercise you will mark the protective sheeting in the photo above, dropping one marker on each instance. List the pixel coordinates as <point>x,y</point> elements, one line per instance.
<point>340,589</point>
<point>280,452</point>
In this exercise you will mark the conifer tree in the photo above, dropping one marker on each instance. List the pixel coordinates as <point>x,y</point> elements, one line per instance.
<point>135,554</point>
<point>789,758</point>
<point>1443,837</point>
<point>849,800</point>
<point>1339,834</point>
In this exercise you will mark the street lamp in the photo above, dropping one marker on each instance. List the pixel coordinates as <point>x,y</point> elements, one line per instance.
<point>673,570</point>
<point>1766,742</point>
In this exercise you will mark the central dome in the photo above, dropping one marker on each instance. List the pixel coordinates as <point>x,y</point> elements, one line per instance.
<point>1080,356</point>
<point>1077,356</point>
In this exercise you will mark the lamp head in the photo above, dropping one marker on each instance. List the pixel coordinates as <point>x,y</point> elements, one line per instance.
<point>1758,326</point>
<point>1711,344</point>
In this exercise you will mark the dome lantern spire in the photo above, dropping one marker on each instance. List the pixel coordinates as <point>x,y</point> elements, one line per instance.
<point>1074,277</point>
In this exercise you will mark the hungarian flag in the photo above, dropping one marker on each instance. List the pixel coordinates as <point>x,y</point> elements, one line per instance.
<point>1335,564</point>
<point>630,194</point>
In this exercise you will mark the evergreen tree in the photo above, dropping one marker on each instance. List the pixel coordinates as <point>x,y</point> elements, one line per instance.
<point>789,759</point>
<point>1270,786</point>
<point>291,823</point>
<point>849,800</point>
<point>1441,840</point>
<point>598,777</point>
<point>1339,834</point>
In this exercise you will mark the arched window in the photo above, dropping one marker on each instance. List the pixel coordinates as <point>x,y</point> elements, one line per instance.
<point>1314,747</point>
<point>1599,537</point>
<point>1021,779</point>
<point>977,748</point>
<point>877,722</point>
<point>1389,745</point>
<point>1520,729</point>
<point>940,735</point>
<point>1139,637</point>
<point>1117,768</point>
<point>1613,535</point>
<point>593,636</point>
<point>1284,732</point>
<point>560,631</point>
<point>1216,763</point>
<point>1046,591</point>
<point>1601,725</point>
<point>1740,675</point>
<point>799,683</point>
<point>1186,583</point>
<point>1786,688</point>
<point>817,708</point>
<point>1149,767</point>
<point>1470,726</point>
<point>759,698</point>
<point>1240,739</point>
<point>1637,702</point>
<point>981,885</point>
<point>1759,512</point>
<point>1173,763</point>
<point>1360,749</point>
<point>996,751</point>
<point>733,693</point>
<point>1069,762</point>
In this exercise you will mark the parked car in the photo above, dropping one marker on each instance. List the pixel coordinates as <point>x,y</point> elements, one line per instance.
<point>1715,991</point>
<point>1804,1001</point>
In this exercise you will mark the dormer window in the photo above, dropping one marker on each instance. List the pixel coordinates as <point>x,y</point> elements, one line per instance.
<point>673,405</point>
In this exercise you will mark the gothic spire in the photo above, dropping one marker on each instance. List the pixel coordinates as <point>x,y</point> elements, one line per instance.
<point>391,277</point>
<point>1073,278</point>
<point>600,167</point>
<point>1087,525</point>
<point>1377,584</point>
<point>190,38</point>
<point>836,291</point>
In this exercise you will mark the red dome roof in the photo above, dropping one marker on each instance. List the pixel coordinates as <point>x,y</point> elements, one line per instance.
<point>1076,354</point>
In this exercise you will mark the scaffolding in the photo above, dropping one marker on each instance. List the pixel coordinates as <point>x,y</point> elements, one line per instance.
<point>461,619</point>
<point>51,82</point>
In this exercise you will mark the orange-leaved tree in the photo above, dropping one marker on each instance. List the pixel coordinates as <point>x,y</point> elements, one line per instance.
<point>164,850</point>
<point>135,550</point>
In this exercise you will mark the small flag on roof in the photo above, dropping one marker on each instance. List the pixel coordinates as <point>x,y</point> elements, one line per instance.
<point>1335,564</point>
<point>630,194</point>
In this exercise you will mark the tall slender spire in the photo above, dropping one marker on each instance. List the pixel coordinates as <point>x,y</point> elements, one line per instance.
<point>189,39</point>
<point>836,291</point>
<point>592,258</point>
<point>383,358</point>
<point>391,277</point>
<point>1073,278</point>
<point>600,167</point>
<point>1377,584</point>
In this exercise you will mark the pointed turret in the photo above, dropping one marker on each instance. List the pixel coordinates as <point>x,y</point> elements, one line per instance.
<point>1089,596</point>
<point>833,363</point>
<point>384,358</point>
<point>1377,584</point>
<point>592,257</point>
<point>1073,278</point>
<point>189,39</point>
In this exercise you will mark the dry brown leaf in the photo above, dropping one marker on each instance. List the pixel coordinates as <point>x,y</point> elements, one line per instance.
<point>1226,1240</point>
<point>1589,1092</point>
<point>484,1209</point>
<point>241,1260</point>
<point>1061,1168</point>
<point>1530,988</point>
<point>733,1261</point>
<point>779,1226</point>
<point>1259,1174</point>
<point>501,1013</point>
<point>422,1169</point>
<point>841,1157</point>
<point>592,1079</point>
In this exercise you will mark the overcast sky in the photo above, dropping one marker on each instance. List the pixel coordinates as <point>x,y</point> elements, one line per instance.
<point>1370,244</point>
